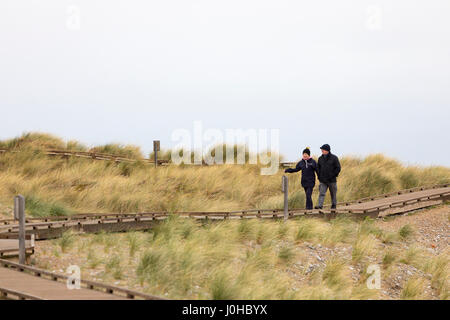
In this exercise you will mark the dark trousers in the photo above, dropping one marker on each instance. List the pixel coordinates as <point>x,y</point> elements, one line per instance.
<point>323,190</point>
<point>309,202</point>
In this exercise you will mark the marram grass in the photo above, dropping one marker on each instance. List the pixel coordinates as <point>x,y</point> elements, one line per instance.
<point>55,186</point>
<point>251,259</point>
<point>182,258</point>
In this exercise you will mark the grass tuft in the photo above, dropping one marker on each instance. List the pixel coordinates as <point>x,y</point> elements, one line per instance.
<point>335,275</point>
<point>389,257</point>
<point>286,254</point>
<point>133,242</point>
<point>363,246</point>
<point>222,288</point>
<point>438,267</point>
<point>36,207</point>
<point>66,241</point>
<point>413,289</point>
<point>413,256</point>
<point>406,231</point>
<point>306,229</point>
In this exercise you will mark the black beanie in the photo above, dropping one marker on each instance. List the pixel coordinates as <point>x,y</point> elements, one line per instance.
<point>326,147</point>
<point>307,151</point>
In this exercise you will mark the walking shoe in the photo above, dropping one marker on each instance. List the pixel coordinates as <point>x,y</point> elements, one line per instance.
<point>317,207</point>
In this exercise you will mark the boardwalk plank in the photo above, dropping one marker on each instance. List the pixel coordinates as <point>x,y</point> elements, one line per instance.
<point>47,289</point>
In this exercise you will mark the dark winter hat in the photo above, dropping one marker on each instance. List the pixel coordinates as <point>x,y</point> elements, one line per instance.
<point>326,147</point>
<point>307,151</point>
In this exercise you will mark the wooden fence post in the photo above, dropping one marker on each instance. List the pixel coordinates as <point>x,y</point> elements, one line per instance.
<point>285,189</point>
<point>156,147</point>
<point>19,214</point>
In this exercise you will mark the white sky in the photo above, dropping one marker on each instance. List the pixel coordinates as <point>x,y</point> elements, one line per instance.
<point>137,70</point>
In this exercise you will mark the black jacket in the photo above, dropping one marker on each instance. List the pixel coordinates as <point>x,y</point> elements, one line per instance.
<point>309,169</point>
<point>328,168</point>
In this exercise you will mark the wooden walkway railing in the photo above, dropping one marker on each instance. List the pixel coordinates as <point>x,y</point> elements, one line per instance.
<point>10,247</point>
<point>25,282</point>
<point>93,155</point>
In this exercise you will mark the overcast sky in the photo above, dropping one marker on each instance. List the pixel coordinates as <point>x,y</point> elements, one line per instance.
<point>363,76</point>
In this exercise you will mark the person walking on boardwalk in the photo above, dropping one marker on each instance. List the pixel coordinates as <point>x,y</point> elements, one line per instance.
<point>328,169</point>
<point>308,166</point>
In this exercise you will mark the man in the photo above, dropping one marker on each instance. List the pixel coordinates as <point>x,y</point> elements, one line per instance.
<point>308,166</point>
<point>328,168</point>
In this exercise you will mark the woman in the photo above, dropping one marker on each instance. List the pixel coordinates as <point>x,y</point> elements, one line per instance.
<point>308,166</point>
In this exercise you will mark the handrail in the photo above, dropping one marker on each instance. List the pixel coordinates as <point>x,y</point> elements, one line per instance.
<point>92,285</point>
<point>93,155</point>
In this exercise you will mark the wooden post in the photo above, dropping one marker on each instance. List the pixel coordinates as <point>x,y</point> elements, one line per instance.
<point>19,214</point>
<point>285,189</point>
<point>155,150</point>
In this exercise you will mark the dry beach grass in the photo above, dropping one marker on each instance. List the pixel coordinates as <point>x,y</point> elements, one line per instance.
<point>55,186</point>
<point>300,259</point>
<point>253,259</point>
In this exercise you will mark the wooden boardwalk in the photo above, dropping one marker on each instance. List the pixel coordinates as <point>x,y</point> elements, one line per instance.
<point>403,202</point>
<point>10,247</point>
<point>381,205</point>
<point>24,282</point>
<point>43,289</point>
